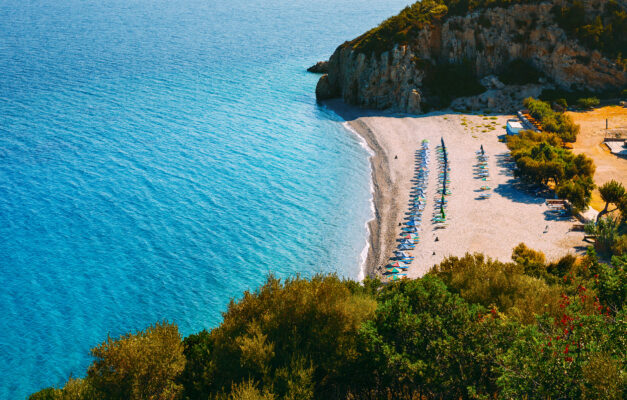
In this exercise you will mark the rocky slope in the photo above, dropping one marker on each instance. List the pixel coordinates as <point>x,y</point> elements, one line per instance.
<point>486,41</point>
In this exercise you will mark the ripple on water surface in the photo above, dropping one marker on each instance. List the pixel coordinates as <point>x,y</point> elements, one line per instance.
<point>158,158</point>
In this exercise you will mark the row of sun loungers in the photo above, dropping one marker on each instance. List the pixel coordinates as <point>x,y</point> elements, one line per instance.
<point>482,173</point>
<point>410,236</point>
<point>444,187</point>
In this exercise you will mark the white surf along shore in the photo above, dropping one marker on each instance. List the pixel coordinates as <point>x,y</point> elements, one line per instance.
<point>493,226</point>
<point>363,256</point>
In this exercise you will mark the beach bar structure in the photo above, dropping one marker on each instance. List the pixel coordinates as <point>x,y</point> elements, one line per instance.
<point>514,127</point>
<point>527,122</point>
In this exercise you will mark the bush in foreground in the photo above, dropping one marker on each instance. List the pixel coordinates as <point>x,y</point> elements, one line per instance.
<point>471,328</point>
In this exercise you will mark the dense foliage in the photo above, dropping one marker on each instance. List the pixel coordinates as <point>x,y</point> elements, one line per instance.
<point>472,328</point>
<point>542,159</point>
<point>605,29</point>
<point>610,228</point>
<point>404,27</point>
<point>552,121</point>
<point>602,25</point>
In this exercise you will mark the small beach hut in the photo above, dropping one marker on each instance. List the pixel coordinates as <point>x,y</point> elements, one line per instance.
<point>513,127</point>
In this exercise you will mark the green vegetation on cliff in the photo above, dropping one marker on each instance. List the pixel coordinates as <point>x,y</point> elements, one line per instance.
<point>605,29</point>
<point>472,328</point>
<point>602,27</point>
<point>404,27</point>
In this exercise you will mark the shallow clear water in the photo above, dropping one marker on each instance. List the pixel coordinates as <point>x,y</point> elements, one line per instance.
<point>158,158</point>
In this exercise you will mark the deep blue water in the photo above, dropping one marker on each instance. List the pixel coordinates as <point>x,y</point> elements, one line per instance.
<point>160,157</point>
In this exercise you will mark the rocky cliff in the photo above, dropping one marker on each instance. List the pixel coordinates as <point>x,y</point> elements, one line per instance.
<point>407,76</point>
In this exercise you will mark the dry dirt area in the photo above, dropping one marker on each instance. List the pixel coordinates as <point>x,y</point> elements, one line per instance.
<point>590,142</point>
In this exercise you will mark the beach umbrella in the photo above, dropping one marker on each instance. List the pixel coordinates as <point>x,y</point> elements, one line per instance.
<point>402,254</point>
<point>392,271</point>
<point>406,247</point>
<point>397,264</point>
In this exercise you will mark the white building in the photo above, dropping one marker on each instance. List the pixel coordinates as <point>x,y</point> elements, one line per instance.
<point>513,127</point>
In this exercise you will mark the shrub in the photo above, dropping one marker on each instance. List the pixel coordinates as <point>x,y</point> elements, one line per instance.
<point>399,29</point>
<point>287,336</point>
<point>551,121</point>
<point>532,261</point>
<point>139,366</point>
<point>607,233</point>
<point>604,30</point>
<point>619,248</point>
<point>488,282</point>
<point>588,102</point>
<point>46,394</point>
<point>471,328</point>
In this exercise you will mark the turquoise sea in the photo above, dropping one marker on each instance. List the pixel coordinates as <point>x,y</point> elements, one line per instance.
<point>160,157</point>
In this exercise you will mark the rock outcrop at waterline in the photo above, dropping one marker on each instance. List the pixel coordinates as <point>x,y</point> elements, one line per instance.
<point>321,67</point>
<point>404,77</point>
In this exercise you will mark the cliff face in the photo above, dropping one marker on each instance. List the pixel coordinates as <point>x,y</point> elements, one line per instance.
<point>488,41</point>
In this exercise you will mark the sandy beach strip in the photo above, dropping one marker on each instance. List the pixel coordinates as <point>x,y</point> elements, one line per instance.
<point>493,226</point>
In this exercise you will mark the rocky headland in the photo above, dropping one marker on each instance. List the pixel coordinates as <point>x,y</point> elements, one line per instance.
<point>435,54</point>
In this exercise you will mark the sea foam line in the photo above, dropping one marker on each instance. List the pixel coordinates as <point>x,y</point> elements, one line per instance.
<point>364,253</point>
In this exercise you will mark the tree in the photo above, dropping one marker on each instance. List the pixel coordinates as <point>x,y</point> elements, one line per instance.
<point>431,343</point>
<point>612,192</point>
<point>533,262</point>
<point>578,355</point>
<point>295,338</point>
<point>540,158</point>
<point>143,365</point>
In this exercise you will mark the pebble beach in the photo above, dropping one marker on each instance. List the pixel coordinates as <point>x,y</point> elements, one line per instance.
<point>493,226</point>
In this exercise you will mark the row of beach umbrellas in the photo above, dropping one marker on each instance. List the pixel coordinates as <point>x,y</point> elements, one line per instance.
<point>399,264</point>
<point>482,173</point>
<point>444,186</point>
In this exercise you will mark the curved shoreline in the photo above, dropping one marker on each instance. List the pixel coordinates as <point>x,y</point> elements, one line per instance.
<point>363,256</point>
<point>381,226</point>
<point>493,227</point>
